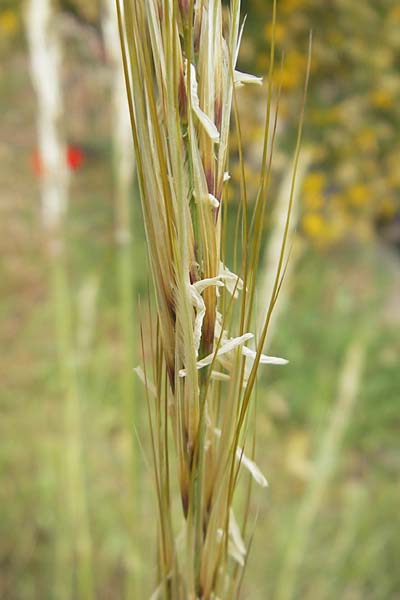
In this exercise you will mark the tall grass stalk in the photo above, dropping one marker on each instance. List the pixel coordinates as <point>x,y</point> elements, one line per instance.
<point>324,467</point>
<point>123,167</point>
<point>180,69</point>
<point>273,248</point>
<point>74,542</point>
<point>354,510</point>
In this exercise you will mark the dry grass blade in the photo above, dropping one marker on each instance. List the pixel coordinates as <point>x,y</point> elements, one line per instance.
<point>179,60</point>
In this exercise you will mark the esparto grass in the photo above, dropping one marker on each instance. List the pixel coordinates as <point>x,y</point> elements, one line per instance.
<point>199,374</point>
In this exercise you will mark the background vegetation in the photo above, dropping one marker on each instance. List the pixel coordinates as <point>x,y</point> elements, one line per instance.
<point>336,506</point>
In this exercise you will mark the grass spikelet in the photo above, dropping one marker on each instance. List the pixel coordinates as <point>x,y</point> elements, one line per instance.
<point>180,69</point>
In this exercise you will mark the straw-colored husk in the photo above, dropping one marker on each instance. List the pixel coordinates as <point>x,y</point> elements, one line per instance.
<point>180,68</point>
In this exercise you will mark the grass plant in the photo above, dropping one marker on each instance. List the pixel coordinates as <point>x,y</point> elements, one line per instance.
<point>335,293</point>
<point>123,170</point>
<point>45,57</point>
<point>199,374</point>
<point>273,248</point>
<point>324,467</point>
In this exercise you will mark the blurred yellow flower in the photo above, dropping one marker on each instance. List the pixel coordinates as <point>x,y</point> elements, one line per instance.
<point>279,32</point>
<point>8,22</point>
<point>366,139</point>
<point>359,194</point>
<point>313,225</point>
<point>293,71</point>
<point>382,99</point>
<point>314,182</point>
<point>313,187</point>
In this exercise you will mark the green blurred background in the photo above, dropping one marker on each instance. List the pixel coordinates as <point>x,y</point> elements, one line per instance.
<point>328,424</point>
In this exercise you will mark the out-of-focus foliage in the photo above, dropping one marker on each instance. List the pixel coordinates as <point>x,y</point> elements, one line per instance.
<point>353,106</point>
<point>88,10</point>
<point>10,25</point>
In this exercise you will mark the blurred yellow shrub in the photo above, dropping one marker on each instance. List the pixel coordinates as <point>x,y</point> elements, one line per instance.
<point>353,112</point>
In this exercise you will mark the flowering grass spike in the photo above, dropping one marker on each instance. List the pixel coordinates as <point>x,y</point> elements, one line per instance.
<point>180,68</point>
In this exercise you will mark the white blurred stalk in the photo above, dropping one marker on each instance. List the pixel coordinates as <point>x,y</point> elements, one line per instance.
<point>45,61</point>
<point>324,468</point>
<point>123,169</point>
<point>273,248</point>
<point>123,156</point>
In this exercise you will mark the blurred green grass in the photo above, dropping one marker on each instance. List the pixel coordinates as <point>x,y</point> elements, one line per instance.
<point>333,296</point>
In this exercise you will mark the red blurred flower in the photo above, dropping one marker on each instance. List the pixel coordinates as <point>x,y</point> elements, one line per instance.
<point>74,156</point>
